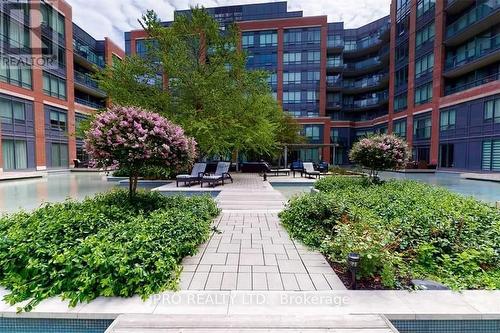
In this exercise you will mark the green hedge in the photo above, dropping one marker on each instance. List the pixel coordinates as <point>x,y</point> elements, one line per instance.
<point>402,229</point>
<point>147,172</point>
<point>102,246</point>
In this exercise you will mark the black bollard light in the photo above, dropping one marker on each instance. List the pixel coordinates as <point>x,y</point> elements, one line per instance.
<point>353,261</point>
<point>265,176</point>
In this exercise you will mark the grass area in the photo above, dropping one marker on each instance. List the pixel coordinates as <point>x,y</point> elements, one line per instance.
<point>103,246</point>
<point>402,230</point>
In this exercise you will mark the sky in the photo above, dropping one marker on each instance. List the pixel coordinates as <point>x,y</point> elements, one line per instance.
<point>111,18</point>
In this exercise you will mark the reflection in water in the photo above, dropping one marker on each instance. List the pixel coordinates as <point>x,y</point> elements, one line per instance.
<point>31,193</point>
<point>481,190</point>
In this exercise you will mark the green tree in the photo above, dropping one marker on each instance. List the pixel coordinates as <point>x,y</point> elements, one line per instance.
<point>225,107</point>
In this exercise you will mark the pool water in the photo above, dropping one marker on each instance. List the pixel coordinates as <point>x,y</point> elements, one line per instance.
<point>447,326</point>
<point>290,191</point>
<point>39,325</point>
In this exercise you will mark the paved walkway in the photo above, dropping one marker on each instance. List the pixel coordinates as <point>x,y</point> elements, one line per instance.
<point>251,250</point>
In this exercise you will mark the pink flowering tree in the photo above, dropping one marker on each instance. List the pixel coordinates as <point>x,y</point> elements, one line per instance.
<point>380,152</point>
<point>133,138</point>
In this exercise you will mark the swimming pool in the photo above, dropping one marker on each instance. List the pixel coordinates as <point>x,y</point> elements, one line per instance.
<point>41,325</point>
<point>447,326</point>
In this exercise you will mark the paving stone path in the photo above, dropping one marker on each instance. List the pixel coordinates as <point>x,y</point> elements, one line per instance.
<point>251,250</point>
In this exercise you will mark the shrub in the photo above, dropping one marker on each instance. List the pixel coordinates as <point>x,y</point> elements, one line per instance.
<point>132,138</point>
<point>102,246</point>
<point>402,230</point>
<point>380,152</point>
<point>147,172</point>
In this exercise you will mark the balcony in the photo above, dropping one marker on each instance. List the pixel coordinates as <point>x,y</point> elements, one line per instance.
<point>333,84</point>
<point>334,65</point>
<point>363,47</point>
<point>335,45</point>
<point>86,83</point>
<point>367,103</point>
<point>88,103</point>
<point>485,52</point>
<point>473,22</point>
<point>362,67</point>
<point>86,57</point>
<point>469,85</point>
<point>456,6</point>
<point>333,105</point>
<point>365,84</point>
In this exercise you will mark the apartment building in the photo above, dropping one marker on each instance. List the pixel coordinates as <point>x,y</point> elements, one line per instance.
<point>428,72</point>
<point>46,84</point>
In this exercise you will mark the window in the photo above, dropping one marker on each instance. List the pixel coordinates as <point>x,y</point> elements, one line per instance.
<point>335,40</point>
<point>313,57</point>
<point>291,97</point>
<point>58,121</point>
<point>51,48</point>
<point>490,160</point>
<point>422,128</point>
<point>334,61</point>
<point>492,110</point>
<point>423,93</point>
<point>12,112</point>
<point>447,121</point>
<point>59,155</point>
<point>424,35</point>
<point>350,45</point>
<point>54,86</point>
<point>312,96</point>
<point>364,133</point>
<point>14,154</point>
<point>312,132</point>
<point>293,36</point>
<point>247,40</point>
<point>401,77</point>
<point>423,6</point>
<point>424,65</point>
<point>52,19</point>
<point>402,51</point>
<point>400,128</point>
<point>292,58</point>
<point>291,78</point>
<point>14,34</point>
<point>268,39</point>
<point>16,73</point>
<point>272,79</point>
<point>334,135</point>
<point>400,102</point>
<point>446,155</point>
<point>313,36</point>
<point>312,77</point>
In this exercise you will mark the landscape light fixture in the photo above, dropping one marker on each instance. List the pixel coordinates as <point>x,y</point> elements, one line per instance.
<point>352,262</point>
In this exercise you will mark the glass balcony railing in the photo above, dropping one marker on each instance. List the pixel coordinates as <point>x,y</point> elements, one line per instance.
<point>89,103</point>
<point>482,47</point>
<point>331,63</point>
<point>333,83</point>
<point>335,43</point>
<point>464,86</point>
<point>333,104</point>
<point>85,52</point>
<point>472,16</point>
<point>367,102</point>
<point>364,83</point>
<point>363,44</point>
<point>86,80</point>
<point>363,64</point>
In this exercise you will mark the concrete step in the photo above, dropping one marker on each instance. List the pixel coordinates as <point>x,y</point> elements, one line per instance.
<point>250,323</point>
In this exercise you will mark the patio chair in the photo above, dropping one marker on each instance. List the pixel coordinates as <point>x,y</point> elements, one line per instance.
<point>275,171</point>
<point>221,174</point>
<point>195,177</point>
<point>309,170</point>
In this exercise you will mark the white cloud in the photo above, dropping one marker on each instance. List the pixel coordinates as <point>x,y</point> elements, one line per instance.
<point>111,18</point>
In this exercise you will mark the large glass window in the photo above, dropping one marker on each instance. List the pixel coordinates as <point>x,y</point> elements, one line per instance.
<point>12,112</point>
<point>311,96</point>
<point>490,160</point>
<point>293,36</point>
<point>422,128</point>
<point>424,35</point>
<point>312,77</point>
<point>424,65</point>
<point>268,38</point>
<point>291,97</point>
<point>400,128</point>
<point>400,102</point>
<point>59,155</point>
<point>272,79</point>
<point>52,19</point>
<point>292,58</point>
<point>492,110</point>
<point>447,121</point>
<point>334,61</point>
<point>14,154</point>
<point>312,132</point>
<point>16,73</point>
<point>313,57</point>
<point>291,77</point>
<point>401,77</point>
<point>58,121</point>
<point>423,6</point>
<point>14,33</point>
<point>247,40</point>
<point>54,86</point>
<point>423,93</point>
<point>313,36</point>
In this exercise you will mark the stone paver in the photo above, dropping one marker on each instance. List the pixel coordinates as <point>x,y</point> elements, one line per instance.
<point>251,250</point>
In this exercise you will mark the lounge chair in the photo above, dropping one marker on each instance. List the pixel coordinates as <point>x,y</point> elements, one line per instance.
<point>195,177</point>
<point>275,171</point>
<point>309,170</point>
<point>221,174</point>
